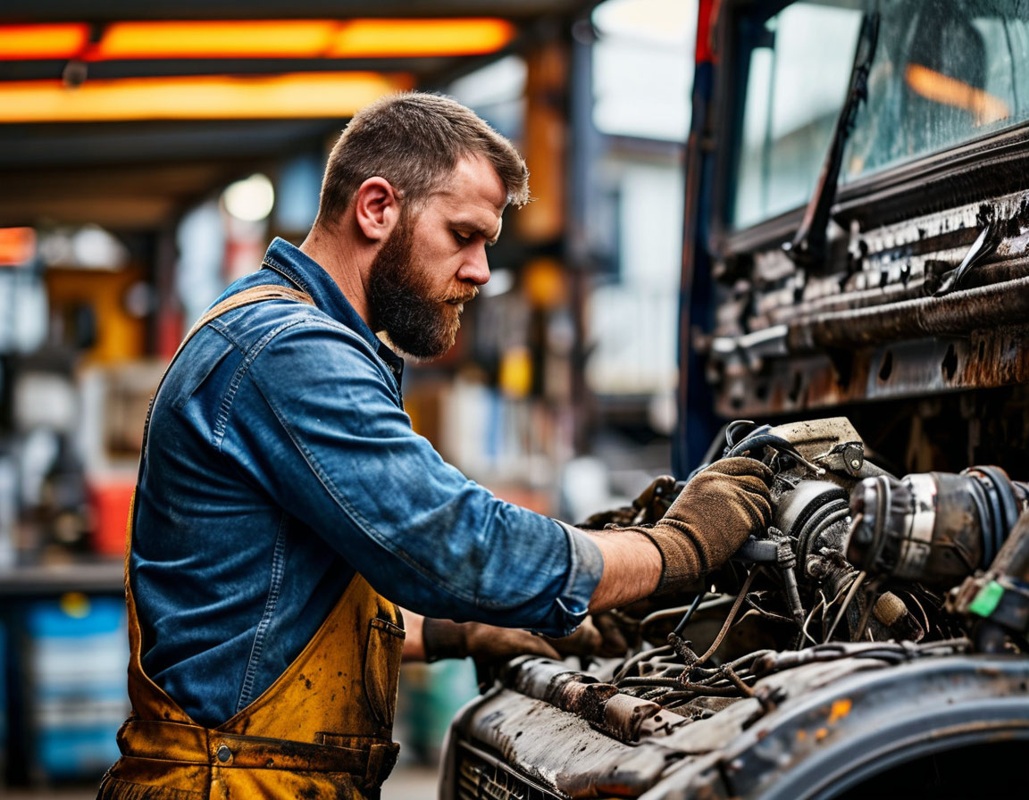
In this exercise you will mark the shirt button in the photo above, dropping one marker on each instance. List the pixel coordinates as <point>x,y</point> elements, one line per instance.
<point>224,753</point>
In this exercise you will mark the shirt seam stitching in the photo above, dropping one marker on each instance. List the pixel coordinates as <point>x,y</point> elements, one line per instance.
<point>271,604</point>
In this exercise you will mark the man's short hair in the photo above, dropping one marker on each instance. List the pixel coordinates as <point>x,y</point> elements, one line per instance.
<point>414,140</point>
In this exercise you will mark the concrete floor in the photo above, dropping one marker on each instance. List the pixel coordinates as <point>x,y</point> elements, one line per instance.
<point>411,783</point>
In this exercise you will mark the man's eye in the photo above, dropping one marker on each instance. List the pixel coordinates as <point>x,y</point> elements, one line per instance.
<point>462,238</point>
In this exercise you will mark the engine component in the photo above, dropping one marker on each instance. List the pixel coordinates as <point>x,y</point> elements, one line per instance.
<point>935,527</point>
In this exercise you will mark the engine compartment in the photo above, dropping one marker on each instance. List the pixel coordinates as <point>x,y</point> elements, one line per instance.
<point>861,614</point>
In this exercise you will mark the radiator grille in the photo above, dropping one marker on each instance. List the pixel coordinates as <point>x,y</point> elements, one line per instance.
<point>481,777</point>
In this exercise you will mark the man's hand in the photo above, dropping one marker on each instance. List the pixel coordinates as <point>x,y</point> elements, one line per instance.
<point>485,644</point>
<point>491,645</point>
<point>711,518</point>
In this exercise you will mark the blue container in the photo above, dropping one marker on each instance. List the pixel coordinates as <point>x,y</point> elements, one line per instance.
<point>77,656</point>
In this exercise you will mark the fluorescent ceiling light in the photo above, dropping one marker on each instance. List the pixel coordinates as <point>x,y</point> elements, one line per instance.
<point>299,95</point>
<point>207,39</point>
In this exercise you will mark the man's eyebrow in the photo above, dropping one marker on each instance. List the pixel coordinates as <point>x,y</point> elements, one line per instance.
<point>471,225</point>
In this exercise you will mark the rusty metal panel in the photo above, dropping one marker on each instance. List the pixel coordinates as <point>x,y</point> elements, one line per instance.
<point>921,306</point>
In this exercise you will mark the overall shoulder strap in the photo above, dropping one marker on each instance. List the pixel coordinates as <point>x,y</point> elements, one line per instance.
<point>255,294</point>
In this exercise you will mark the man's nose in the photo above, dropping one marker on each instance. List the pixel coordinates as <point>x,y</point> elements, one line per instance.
<point>475,268</point>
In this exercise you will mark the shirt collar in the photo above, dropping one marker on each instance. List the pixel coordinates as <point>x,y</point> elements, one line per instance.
<point>306,274</point>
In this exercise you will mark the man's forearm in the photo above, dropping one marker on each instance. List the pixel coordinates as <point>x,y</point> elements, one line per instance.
<point>632,568</point>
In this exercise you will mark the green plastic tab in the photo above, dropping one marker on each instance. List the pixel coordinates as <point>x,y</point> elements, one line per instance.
<point>987,600</point>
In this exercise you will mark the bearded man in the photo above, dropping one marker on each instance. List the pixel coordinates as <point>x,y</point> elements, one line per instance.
<point>285,507</point>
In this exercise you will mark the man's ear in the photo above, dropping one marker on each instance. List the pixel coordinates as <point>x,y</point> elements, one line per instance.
<point>377,208</point>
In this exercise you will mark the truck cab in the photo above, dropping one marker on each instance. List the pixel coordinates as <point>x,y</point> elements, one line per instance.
<point>853,311</point>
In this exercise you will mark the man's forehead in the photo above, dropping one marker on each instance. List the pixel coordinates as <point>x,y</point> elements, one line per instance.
<point>474,176</point>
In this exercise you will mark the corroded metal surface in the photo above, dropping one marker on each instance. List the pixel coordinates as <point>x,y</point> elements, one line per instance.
<point>986,358</point>
<point>952,315</point>
<point>934,304</point>
<point>817,703</point>
<point>560,749</point>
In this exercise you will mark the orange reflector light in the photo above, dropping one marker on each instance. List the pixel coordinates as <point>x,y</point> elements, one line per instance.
<point>29,42</point>
<point>17,246</point>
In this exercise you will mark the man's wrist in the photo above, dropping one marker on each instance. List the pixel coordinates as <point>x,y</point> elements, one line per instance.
<point>633,567</point>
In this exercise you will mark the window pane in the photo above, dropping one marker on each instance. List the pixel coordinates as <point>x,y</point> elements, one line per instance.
<point>796,81</point>
<point>945,72</point>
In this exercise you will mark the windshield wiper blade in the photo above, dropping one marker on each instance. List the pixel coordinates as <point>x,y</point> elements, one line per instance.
<point>809,245</point>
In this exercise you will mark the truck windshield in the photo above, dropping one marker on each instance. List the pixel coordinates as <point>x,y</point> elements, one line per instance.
<point>945,72</point>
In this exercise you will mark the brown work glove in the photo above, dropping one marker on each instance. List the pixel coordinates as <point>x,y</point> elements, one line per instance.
<point>596,636</point>
<point>711,518</point>
<point>486,644</point>
<point>493,645</point>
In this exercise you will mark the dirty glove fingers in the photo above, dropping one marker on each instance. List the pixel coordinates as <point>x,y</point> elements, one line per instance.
<point>489,644</point>
<point>731,495</point>
<point>743,502</point>
<point>443,638</point>
<point>586,640</point>
<point>711,518</point>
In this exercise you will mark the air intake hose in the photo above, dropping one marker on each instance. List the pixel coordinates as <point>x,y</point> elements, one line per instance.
<point>935,527</point>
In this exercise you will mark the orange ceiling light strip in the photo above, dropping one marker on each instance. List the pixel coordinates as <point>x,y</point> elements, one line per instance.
<point>228,39</point>
<point>299,95</point>
<point>34,42</point>
<point>359,38</point>
<point>369,38</point>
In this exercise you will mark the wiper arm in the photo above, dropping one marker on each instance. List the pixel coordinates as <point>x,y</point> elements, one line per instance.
<point>809,246</point>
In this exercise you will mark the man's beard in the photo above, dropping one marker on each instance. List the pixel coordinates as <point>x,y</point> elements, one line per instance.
<point>400,303</point>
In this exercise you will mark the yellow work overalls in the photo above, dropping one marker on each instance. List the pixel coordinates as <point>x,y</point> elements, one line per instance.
<point>323,729</point>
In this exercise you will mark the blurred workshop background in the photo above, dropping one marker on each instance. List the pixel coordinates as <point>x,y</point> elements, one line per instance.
<point>148,153</point>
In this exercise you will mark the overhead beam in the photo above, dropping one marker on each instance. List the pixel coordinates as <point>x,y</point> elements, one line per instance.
<point>77,10</point>
<point>123,200</point>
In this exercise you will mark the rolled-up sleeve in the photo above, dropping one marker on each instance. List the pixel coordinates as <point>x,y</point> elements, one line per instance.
<point>587,565</point>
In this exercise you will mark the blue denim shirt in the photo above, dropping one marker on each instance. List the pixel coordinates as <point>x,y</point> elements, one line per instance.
<point>279,461</point>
